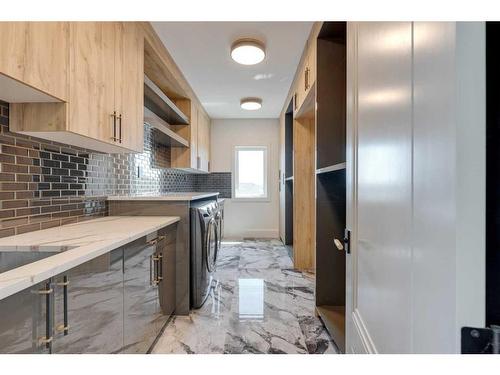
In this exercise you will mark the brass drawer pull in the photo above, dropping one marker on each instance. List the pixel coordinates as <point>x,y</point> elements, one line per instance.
<point>156,240</point>
<point>62,328</point>
<point>45,291</point>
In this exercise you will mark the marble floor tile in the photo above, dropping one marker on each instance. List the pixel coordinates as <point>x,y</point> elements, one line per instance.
<point>258,304</point>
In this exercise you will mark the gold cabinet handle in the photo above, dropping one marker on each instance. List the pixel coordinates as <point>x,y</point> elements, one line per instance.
<point>156,240</point>
<point>306,80</point>
<point>114,138</point>
<point>120,128</point>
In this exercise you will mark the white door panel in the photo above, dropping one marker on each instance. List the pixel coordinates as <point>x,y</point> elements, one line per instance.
<point>434,188</point>
<point>415,185</point>
<point>384,183</point>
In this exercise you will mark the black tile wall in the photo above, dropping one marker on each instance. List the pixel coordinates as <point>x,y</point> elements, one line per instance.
<point>217,181</point>
<point>45,184</point>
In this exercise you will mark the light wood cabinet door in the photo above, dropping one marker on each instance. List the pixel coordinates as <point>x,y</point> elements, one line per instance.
<point>129,85</point>
<point>36,53</point>
<point>92,83</point>
<point>310,67</point>
<point>194,126</point>
<point>204,142</point>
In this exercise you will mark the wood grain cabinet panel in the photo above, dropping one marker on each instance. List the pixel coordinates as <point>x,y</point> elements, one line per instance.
<point>36,53</point>
<point>129,88</point>
<point>203,142</point>
<point>92,85</point>
<point>105,104</point>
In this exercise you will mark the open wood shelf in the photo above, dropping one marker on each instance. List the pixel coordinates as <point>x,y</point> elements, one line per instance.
<point>333,318</point>
<point>161,105</point>
<point>164,135</point>
<point>331,168</point>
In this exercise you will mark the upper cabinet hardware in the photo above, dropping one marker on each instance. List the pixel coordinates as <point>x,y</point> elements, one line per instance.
<point>113,138</point>
<point>306,79</point>
<point>120,128</point>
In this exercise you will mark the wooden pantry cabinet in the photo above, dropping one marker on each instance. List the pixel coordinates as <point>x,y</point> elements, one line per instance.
<point>36,54</point>
<point>104,111</point>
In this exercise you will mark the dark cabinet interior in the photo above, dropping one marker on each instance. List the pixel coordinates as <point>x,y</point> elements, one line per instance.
<point>492,174</point>
<point>331,95</point>
<point>331,178</point>
<point>288,240</point>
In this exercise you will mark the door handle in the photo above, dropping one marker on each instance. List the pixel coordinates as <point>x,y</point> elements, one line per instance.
<point>64,327</point>
<point>160,267</point>
<point>48,338</point>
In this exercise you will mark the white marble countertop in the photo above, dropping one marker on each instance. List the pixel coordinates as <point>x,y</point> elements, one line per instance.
<point>81,241</point>
<point>188,196</point>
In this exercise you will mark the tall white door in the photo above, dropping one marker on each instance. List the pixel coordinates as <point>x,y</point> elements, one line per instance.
<point>415,204</point>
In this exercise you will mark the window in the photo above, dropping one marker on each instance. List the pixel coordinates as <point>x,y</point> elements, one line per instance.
<point>250,172</point>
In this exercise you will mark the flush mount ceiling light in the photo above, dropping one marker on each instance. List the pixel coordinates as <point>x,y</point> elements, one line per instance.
<point>248,51</point>
<point>251,104</point>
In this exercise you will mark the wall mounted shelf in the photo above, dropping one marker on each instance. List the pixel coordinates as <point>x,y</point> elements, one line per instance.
<point>331,168</point>
<point>161,105</point>
<point>164,135</point>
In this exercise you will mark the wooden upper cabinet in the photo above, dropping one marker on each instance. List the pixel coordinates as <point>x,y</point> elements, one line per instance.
<point>311,65</point>
<point>105,104</point>
<point>203,141</point>
<point>197,156</point>
<point>193,161</point>
<point>92,83</point>
<point>36,53</point>
<point>129,84</point>
<point>107,76</point>
<point>307,76</point>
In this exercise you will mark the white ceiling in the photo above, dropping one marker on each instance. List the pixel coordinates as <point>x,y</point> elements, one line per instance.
<point>202,52</point>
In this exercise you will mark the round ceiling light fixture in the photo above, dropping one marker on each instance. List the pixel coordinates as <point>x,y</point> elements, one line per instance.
<point>248,51</point>
<point>251,104</point>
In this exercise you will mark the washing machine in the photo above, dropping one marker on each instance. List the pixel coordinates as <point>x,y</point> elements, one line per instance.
<point>204,248</point>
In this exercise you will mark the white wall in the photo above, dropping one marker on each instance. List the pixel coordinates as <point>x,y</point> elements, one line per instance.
<point>248,219</point>
<point>417,127</point>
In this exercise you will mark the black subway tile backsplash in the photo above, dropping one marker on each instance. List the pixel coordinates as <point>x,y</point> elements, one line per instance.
<point>44,184</point>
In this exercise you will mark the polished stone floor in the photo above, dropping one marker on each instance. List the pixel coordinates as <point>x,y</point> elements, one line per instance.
<point>258,304</point>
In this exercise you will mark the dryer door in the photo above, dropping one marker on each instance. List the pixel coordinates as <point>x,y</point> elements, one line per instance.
<point>211,243</point>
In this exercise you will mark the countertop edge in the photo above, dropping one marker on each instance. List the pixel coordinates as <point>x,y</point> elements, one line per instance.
<point>185,198</point>
<point>31,276</point>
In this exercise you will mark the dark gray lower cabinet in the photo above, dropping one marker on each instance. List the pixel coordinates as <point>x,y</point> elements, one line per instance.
<point>143,317</point>
<point>27,320</point>
<point>115,303</point>
<point>89,306</point>
<point>149,289</point>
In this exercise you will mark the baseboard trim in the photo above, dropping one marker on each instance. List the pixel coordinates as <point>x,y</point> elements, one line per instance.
<point>362,332</point>
<point>254,233</point>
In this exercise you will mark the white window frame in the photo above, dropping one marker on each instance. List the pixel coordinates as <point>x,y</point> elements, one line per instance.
<point>235,168</point>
